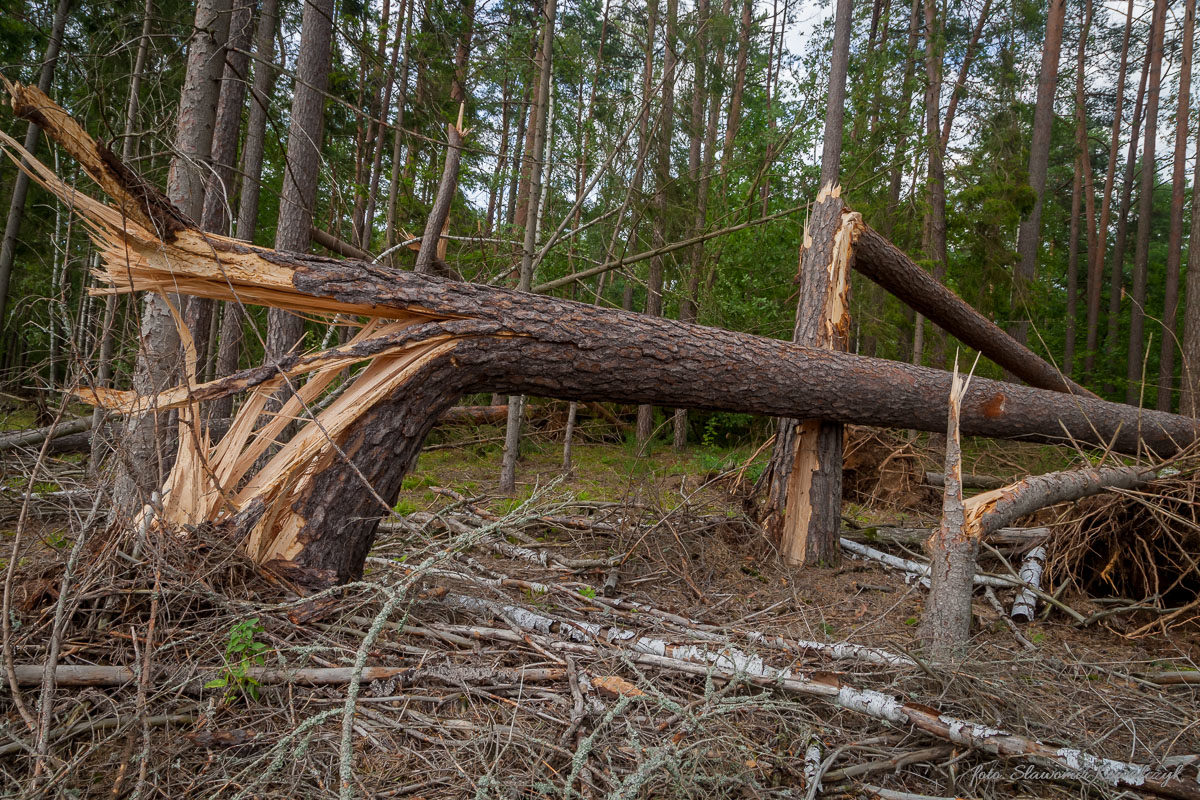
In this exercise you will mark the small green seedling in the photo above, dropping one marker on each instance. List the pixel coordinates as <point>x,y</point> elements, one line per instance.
<point>241,653</point>
<point>588,592</point>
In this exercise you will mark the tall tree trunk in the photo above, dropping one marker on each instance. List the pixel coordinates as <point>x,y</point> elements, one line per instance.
<point>699,165</point>
<point>1081,189</point>
<point>300,177</point>
<point>1141,255</point>
<point>1097,255</point>
<point>104,370</point>
<point>1189,385</point>
<point>218,194</point>
<point>1166,363</point>
<point>253,148</point>
<point>1117,270</point>
<point>933,233</point>
<point>1029,234</point>
<point>734,119</point>
<point>385,104</point>
<point>804,479</point>
<point>16,206</point>
<point>662,180</point>
<point>398,134</point>
<point>512,436</point>
<point>144,462</point>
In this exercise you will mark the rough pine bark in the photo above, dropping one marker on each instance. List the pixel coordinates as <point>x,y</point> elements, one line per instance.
<point>253,147</point>
<point>1166,360</point>
<point>1096,256</point>
<point>1189,384</point>
<point>662,181</point>
<point>1029,234</point>
<point>933,231</point>
<point>516,403</point>
<point>1117,269</point>
<point>303,167</point>
<point>219,189</point>
<point>804,479</point>
<point>1141,254</point>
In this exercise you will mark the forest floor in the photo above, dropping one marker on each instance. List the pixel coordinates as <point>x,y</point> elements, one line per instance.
<point>657,546</point>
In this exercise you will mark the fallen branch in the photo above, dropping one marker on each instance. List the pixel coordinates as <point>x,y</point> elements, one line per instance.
<point>969,481</point>
<point>35,436</point>
<point>702,662</point>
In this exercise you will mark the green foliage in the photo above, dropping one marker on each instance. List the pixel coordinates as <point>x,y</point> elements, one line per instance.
<point>242,652</point>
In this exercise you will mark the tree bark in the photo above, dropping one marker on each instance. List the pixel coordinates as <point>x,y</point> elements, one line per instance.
<point>218,193</point>
<point>143,464</point>
<point>1189,384</point>
<point>302,172</point>
<point>1082,188</point>
<point>1029,234</point>
<point>16,206</point>
<point>512,434</point>
<point>1166,361</point>
<point>253,149</point>
<point>439,215</point>
<point>1117,270</point>
<point>662,180</point>
<point>1096,256</point>
<point>104,370</point>
<point>804,499</point>
<point>887,265</point>
<point>734,119</point>
<point>933,231</point>
<point>1141,255</point>
<point>946,623</point>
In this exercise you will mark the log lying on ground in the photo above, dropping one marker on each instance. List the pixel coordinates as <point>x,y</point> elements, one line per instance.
<point>885,264</point>
<point>89,675</point>
<point>969,480</point>
<point>316,503</point>
<point>35,436</point>
<point>1018,537</point>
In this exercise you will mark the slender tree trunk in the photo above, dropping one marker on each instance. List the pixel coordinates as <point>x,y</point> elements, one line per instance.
<point>104,369</point>
<point>385,106</point>
<point>300,177</point>
<point>398,135</point>
<point>1082,192</point>
<point>512,436</point>
<point>1166,363</point>
<point>699,165</point>
<point>734,119</point>
<point>253,147</point>
<point>1189,385</point>
<point>1117,275</point>
<point>144,463</point>
<point>16,206</point>
<point>1097,255</point>
<point>1141,255</point>
<point>662,180</point>
<point>933,234</point>
<point>1068,359</point>
<point>1029,234</point>
<point>439,215</point>
<point>216,214</point>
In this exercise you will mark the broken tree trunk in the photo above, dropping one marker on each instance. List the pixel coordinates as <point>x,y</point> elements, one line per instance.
<point>885,264</point>
<point>946,624</point>
<point>804,500</point>
<point>315,504</point>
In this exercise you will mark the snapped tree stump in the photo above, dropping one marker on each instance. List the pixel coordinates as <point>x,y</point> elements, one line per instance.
<point>424,341</point>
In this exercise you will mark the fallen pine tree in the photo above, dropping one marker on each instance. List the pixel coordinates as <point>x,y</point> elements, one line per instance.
<point>424,342</point>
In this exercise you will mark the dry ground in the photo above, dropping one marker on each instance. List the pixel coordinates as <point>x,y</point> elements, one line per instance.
<point>469,723</point>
